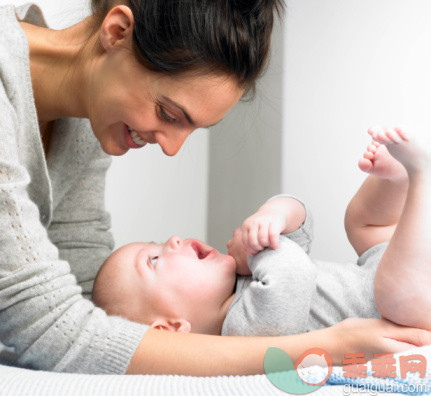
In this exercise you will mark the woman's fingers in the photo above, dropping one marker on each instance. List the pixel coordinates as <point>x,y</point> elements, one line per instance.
<point>394,346</point>
<point>382,335</point>
<point>409,335</point>
<point>372,336</point>
<point>413,336</point>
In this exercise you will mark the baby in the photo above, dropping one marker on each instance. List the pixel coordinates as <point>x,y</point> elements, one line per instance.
<point>267,284</point>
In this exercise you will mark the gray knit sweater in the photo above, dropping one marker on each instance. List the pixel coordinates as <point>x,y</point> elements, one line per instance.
<point>54,231</point>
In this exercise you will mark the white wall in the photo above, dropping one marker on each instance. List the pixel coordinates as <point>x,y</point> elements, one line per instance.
<point>348,65</point>
<point>245,154</point>
<point>58,14</point>
<point>150,196</point>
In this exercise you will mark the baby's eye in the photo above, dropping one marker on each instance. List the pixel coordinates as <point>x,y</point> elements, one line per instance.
<point>154,260</point>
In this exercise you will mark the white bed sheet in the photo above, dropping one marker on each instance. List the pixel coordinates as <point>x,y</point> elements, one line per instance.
<point>17,381</point>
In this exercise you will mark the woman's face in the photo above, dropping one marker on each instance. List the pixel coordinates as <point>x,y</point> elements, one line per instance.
<point>161,109</point>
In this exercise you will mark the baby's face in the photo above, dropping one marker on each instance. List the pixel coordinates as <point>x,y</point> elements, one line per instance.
<point>186,278</point>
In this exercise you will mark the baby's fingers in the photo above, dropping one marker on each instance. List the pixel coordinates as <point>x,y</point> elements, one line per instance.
<point>252,243</point>
<point>263,236</point>
<point>244,238</point>
<point>273,236</point>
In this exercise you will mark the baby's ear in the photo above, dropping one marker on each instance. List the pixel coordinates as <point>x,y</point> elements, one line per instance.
<point>172,325</point>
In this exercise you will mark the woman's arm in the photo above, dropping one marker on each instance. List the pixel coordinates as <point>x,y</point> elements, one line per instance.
<point>163,352</point>
<point>80,227</point>
<point>44,319</point>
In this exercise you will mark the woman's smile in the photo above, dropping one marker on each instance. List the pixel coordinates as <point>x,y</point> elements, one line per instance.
<point>133,140</point>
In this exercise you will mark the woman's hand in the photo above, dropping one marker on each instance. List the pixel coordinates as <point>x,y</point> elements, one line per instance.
<point>373,336</point>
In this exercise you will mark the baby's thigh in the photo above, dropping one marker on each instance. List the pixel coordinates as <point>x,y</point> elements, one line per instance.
<point>403,300</point>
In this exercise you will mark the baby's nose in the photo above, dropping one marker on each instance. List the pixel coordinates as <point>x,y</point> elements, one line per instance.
<point>229,243</point>
<point>175,242</point>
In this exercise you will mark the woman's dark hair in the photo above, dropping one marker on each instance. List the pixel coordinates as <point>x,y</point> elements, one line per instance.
<point>180,36</point>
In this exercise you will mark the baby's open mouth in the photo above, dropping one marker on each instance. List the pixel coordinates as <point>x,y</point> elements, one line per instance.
<point>201,252</point>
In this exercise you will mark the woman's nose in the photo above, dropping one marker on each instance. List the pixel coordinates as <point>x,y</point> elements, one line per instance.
<point>175,242</point>
<point>172,143</point>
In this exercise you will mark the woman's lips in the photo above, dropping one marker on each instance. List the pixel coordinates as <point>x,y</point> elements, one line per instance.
<point>129,141</point>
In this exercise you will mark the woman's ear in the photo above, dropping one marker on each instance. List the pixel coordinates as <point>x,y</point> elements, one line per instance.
<point>181,325</point>
<point>117,26</point>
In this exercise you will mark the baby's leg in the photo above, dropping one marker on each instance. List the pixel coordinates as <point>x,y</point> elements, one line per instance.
<point>403,277</point>
<point>374,211</point>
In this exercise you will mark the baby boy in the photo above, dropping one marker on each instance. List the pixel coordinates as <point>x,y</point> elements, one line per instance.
<point>267,284</point>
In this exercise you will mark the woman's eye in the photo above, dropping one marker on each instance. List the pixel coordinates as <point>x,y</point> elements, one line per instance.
<point>165,116</point>
<point>153,261</point>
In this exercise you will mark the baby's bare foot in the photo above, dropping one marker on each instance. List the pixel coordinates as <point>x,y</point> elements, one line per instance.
<point>379,162</point>
<point>415,155</point>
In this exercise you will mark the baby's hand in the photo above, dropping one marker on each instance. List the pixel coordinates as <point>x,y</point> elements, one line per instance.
<point>263,229</point>
<point>235,248</point>
<point>279,215</point>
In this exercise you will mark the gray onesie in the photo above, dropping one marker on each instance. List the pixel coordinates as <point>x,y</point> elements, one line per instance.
<point>288,293</point>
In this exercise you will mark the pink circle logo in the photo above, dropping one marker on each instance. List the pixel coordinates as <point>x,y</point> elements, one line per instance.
<point>314,357</point>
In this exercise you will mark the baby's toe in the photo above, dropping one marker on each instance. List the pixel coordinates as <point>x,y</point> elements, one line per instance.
<point>393,136</point>
<point>373,130</point>
<point>368,155</point>
<point>365,165</point>
<point>372,148</point>
<point>378,134</point>
<point>401,133</point>
<point>380,137</point>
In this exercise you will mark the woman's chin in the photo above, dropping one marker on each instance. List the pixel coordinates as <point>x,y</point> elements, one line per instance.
<point>113,149</point>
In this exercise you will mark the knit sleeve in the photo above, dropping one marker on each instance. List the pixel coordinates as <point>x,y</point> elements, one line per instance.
<point>80,227</point>
<point>44,318</point>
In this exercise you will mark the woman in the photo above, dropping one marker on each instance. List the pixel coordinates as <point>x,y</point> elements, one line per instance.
<point>130,74</point>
